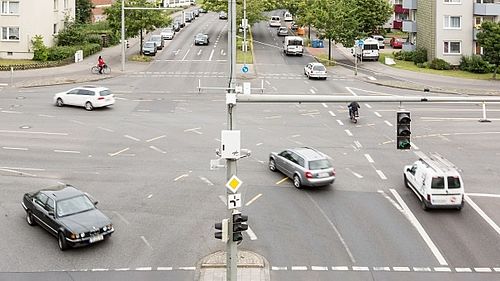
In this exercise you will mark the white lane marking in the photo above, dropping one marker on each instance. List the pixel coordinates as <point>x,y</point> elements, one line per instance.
<point>442,269</point>
<point>422,269</point>
<point>131,137</point>
<point>207,181</point>
<point>273,117</point>
<point>143,268</point>
<point>340,122</point>
<point>184,58</point>
<point>118,152</point>
<point>332,113</point>
<point>299,268</point>
<point>187,268</point>
<point>334,228</point>
<point>223,199</point>
<point>358,144</point>
<point>14,148</point>
<point>340,268</point>
<point>157,149</point>
<point>274,88</point>
<point>414,146</point>
<point>9,111</point>
<point>482,214</point>
<point>401,268</point>
<point>164,268</point>
<point>41,133</point>
<point>147,243</point>
<point>314,88</point>
<point>150,196</point>
<point>122,269</point>
<point>312,91</point>
<point>360,268</point>
<point>177,52</point>
<point>67,151</point>
<point>324,105</point>
<point>253,199</point>
<point>105,129</point>
<point>282,180</point>
<point>351,91</point>
<point>372,78</point>
<point>463,269</point>
<point>279,268</point>
<point>45,115</point>
<point>307,82</point>
<point>78,122</point>
<point>156,138</point>
<point>497,269</point>
<point>381,174</point>
<point>483,195</point>
<point>267,82</point>
<point>199,52</point>
<point>258,144</point>
<point>180,177</point>
<point>378,114</point>
<point>388,123</point>
<point>251,234</point>
<point>319,268</point>
<point>414,221</point>
<point>211,55</point>
<point>99,269</point>
<point>348,133</point>
<point>396,205</point>
<point>17,172</point>
<point>482,269</point>
<point>194,130</point>
<point>355,174</point>
<point>295,136</point>
<point>23,169</point>
<point>381,268</point>
<point>367,105</point>
<point>369,158</point>
<point>121,217</point>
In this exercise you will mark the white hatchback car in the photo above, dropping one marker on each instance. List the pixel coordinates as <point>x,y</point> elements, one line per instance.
<point>315,70</point>
<point>86,96</point>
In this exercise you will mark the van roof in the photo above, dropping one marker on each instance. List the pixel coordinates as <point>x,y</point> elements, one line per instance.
<point>438,163</point>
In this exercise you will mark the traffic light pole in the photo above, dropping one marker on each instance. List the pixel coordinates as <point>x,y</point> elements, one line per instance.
<point>231,246</point>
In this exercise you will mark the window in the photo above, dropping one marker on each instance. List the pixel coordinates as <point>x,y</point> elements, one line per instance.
<point>452,1</point>
<point>437,183</point>
<point>55,4</point>
<point>10,33</point>
<point>452,22</point>
<point>453,182</point>
<point>54,28</point>
<point>319,164</point>
<point>10,7</point>
<point>50,205</point>
<point>452,47</point>
<point>65,4</point>
<point>40,199</point>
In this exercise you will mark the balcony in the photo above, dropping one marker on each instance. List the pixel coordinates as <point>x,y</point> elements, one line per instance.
<point>410,4</point>
<point>487,9</point>
<point>398,9</point>
<point>409,26</point>
<point>397,24</point>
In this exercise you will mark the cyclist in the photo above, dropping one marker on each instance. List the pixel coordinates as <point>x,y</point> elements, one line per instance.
<point>353,109</point>
<point>100,64</point>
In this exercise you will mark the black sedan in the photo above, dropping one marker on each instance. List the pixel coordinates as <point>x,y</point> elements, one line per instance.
<point>69,214</point>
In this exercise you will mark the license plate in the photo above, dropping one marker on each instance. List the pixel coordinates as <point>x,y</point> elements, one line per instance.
<point>96,238</point>
<point>323,175</point>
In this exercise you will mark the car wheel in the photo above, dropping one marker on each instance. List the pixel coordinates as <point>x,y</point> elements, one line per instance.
<point>61,241</point>
<point>272,165</point>
<point>296,182</point>
<point>29,218</point>
<point>88,106</point>
<point>59,102</point>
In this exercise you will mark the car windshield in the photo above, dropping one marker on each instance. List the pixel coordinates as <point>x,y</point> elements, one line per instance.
<point>319,68</point>
<point>295,42</point>
<point>319,164</point>
<point>149,45</point>
<point>73,206</point>
<point>370,47</point>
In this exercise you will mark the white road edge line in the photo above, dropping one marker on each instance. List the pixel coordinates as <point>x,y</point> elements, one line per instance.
<point>147,243</point>
<point>414,221</point>
<point>482,214</point>
<point>253,199</point>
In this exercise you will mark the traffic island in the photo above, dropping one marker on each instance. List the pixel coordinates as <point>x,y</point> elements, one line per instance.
<point>251,267</point>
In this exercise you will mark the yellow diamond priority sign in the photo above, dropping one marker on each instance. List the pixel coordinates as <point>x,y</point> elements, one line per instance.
<point>234,183</point>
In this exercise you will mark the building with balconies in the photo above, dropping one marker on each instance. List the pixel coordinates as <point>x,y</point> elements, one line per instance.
<point>21,20</point>
<point>448,28</point>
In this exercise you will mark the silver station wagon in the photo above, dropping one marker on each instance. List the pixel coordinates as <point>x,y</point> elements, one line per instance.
<point>304,165</point>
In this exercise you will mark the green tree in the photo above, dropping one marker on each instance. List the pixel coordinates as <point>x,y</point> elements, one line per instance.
<point>489,39</point>
<point>255,9</point>
<point>40,51</point>
<point>371,14</point>
<point>137,21</point>
<point>83,11</point>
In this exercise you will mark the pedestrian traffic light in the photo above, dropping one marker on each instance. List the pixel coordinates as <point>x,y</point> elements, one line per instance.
<point>403,129</point>
<point>223,233</point>
<point>239,225</point>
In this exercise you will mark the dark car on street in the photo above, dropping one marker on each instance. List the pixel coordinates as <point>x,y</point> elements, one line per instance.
<point>201,39</point>
<point>69,214</point>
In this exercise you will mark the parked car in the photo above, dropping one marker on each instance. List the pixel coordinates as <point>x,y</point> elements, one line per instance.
<point>158,39</point>
<point>294,26</point>
<point>282,31</point>
<point>176,26</point>
<point>149,48</point>
<point>180,21</point>
<point>188,16</point>
<point>380,39</point>
<point>275,21</point>
<point>304,165</point>
<point>167,33</point>
<point>202,10</point>
<point>201,39</point>
<point>315,70</point>
<point>222,15</point>
<point>287,17</point>
<point>86,96</point>
<point>396,43</point>
<point>69,214</point>
<point>196,12</point>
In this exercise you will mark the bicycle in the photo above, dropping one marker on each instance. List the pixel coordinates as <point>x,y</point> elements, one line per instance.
<point>105,69</point>
<point>353,115</point>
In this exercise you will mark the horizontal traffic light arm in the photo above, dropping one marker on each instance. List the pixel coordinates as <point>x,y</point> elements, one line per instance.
<point>325,98</point>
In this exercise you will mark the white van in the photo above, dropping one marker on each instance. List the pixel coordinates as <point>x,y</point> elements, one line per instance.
<point>293,45</point>
<point>287,17</point>
<point>275,21</point>
<point>435,181</point>
<point>369,51</point>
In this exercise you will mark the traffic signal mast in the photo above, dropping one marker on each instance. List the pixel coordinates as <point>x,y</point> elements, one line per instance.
<point>403,121</point>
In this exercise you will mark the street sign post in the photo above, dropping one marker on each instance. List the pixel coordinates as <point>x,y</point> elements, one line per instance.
<point>233,201</point>
<point>244,69</point>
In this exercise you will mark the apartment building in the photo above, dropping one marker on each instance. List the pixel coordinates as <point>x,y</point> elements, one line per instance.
<point>21,20</point>
<point>98,7</point>
<point>448,28</point>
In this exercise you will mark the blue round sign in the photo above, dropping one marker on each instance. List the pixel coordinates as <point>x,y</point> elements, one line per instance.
<point>244,69</point>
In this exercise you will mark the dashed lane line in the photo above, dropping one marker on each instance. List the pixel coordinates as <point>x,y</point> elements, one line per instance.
<point>156,138</point>
<point>132,138</point>
<point>369,158</point>
<point>388,123</point>
<point>253,199</point>
<point>348,133</point>
<point>381,174</point>
<point>332,113</point>
<point>14,148</point>
<point>34,133</point>
<point>157,149</point>
<point>340,122</point>
<point>377,114</point>
<point>180,177</point>
<point>282,180</point>
<point>67,151</point>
